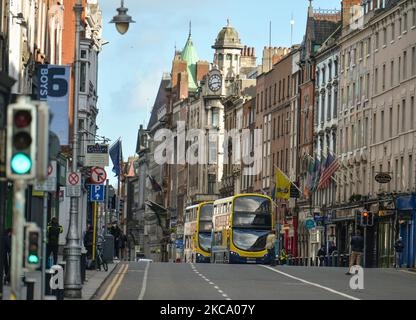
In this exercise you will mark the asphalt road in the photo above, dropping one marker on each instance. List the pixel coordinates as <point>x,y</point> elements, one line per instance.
<point>171,281</point>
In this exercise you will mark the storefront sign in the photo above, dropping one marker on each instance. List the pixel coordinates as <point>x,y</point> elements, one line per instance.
<point>383,177</point>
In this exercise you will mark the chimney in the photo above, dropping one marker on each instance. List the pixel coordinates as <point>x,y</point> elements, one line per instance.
<point>346,9</point>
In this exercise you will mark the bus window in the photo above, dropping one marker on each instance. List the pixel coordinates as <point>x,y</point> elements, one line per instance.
<point>252,211</point>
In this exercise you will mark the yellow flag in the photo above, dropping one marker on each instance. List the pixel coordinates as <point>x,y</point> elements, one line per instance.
<point>282,185</point>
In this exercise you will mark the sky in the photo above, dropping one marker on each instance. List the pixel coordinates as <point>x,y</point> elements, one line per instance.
<point>131,65</point>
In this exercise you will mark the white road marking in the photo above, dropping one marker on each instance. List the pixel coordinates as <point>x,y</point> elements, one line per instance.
<point>141,296</point>
<point>312,283</point>
<point>213,284</point>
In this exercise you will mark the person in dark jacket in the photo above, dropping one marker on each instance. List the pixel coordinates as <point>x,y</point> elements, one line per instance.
<point>357,248</point>
<point>88,240</point>
<point>116,233</point>
<point>398,247</point>
<point>321,255</point>
<point>54,230</point>
<point>7,249</point>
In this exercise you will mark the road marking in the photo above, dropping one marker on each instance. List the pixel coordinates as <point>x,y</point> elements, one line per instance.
<point>117,285</point>
<point>409,272</point>
<point>211,283</point>
<point>312,283</point>
<point>110,286</point>
<point>141,296</point>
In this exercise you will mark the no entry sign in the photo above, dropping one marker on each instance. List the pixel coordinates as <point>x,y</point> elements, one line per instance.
<point>98,175</point>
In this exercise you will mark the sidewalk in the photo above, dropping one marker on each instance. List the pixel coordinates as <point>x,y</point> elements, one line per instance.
<point>93,282</point>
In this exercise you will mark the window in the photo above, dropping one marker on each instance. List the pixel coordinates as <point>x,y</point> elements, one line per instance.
<point>374,127</point>
<point>261,103</point>
<point>359,134</point>
<point>275,87</point>
<point>405,22</point>
<point>265,101</point>
<point>367,86</point>
<point>404,64</point>
<point>413,61</point>
<point>353,146</point>
<point>274,129</point>
<point>393,32</point>
<point>288,86</point>
<point>398,119</point>
<point>336,67</point>
<point>392,73</point>
<point>377,40</point>
<point>283,89</point>
<point>369,46</point>
<point>270,96</point>
<point>229,57</point>
<point>412,113</point>
<point>413,17</point>
<point>376,81</point>
<point>385,37</point>
<point>410,173</point>
<point>400,66</point>
<point>366,135</point>
<point>213,151</point>
<point>83,77</point>
<point>347,142</point>
<point>215,117</point>
<point>211,183</point>
<point>400,27</point>
<point>403,115</point>
<point>323,108</point>
<point>335,104</point>
<point>278,126</point>
<point>402,173</point>
<point>391,123</point>
<point>383,83</point>
<point>397,175</point>
<point>328,117</point>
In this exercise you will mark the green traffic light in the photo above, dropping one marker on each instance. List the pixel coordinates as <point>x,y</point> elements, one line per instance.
<point>21,163</point>
<point>33,259</point>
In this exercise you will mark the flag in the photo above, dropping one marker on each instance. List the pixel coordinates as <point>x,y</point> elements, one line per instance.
<point>309,178</point>
<point>116,155</point>
<point>156,186</point>
<point>316,175</point>
<point>282,185</point>
<point>332,167</point>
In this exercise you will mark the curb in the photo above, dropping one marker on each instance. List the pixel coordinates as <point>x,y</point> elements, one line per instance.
<point>412,270</point>
<point>102,283</point>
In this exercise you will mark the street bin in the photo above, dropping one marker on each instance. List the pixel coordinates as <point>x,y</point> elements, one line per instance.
<point>108,248</point>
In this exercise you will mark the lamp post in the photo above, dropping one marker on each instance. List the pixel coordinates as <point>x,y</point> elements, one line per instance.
<point>72,250</point>
<point>122,20</point>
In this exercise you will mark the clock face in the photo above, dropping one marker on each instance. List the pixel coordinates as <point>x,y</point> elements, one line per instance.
<point>215,82</point>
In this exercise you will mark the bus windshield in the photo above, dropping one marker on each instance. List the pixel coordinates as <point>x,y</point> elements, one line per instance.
<point>250,240</point>
<point>205,218</point>
<point>205,241</point>
<point>252,212</point>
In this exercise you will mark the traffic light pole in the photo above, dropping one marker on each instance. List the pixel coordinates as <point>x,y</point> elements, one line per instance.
<point>72,250</point>
<point>44,240</point>
<point>16,271</point>
<point>365,247</point>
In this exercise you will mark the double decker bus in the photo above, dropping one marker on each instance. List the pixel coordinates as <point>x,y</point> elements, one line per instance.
<point>240,227</point>
<point>197,233</point>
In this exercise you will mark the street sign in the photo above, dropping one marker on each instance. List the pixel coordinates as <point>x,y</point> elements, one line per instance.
<point>49,185</point>
<point>310,224</point>
<point>73,184</point>
<point>97,193</point>
<point>383,177</point>
<point>97,155</point>
<point>98,175</point>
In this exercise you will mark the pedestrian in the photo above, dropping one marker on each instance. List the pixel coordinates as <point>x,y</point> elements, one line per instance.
<point>116,233</point>
<point>332,248</point>
<point>270,243</point>
<point>283,257</point>
<point>123,246</point>
<point>54,229</point>
<point>88,244</point>
<point>398,248</point>
<point>357,248</point>
<point>321,255</point>
<point>7,249</point>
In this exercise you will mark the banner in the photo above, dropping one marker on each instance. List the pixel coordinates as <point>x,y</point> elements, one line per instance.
<point>54,89</point>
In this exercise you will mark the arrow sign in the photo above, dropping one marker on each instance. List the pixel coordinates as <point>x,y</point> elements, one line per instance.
<point>97,193</point>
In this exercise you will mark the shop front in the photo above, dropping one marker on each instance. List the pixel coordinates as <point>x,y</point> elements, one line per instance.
<point>406,207</point>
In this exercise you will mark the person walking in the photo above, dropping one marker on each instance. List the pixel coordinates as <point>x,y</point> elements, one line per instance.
<point>321,255</point>
<point>357,248</point>
<point>270,243</point>
<point>123,246</point>
<point>54,229</point>
<point>116,233</point>
<point>398,248</point>
<point>7,249</point>
<point>88,243</point>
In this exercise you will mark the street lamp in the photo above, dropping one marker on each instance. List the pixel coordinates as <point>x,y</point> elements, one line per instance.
<point>122,20</point>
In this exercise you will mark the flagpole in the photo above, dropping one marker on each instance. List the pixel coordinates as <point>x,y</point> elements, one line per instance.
<point>276,167</point>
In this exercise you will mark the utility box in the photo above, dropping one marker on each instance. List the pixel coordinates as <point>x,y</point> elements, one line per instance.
<point>108,253</point>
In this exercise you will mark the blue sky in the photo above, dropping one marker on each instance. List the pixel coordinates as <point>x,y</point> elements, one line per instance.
<point>131,66</point>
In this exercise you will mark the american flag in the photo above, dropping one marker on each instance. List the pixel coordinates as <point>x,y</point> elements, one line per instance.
<point>331,167</point>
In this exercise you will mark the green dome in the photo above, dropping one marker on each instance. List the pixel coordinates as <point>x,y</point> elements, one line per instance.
<point>190,55</point>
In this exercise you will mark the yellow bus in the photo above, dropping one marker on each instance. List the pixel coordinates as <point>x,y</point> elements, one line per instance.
<point>240,227</point>
<point>197,233</point>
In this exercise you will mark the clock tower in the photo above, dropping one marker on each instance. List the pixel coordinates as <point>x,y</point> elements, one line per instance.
<point>228,49</point>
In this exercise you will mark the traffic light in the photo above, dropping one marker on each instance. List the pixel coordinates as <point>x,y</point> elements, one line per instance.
<point>42,145</point>
<point>21,140</point>
<point>33,246</point>
<point>367,219</point>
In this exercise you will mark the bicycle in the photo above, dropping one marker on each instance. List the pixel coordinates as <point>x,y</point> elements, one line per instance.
<point>100,257</point>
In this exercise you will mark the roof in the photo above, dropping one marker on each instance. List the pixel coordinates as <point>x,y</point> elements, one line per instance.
<point>190,55</point>
<point>228,38</point>
<point>161,100</point>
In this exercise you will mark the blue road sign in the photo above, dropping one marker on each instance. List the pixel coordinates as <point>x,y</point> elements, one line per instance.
<point>310,224</point>
<point>97,193</point>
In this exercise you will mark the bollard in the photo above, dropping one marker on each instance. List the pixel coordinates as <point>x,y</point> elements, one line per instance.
<point>83,266</point>
<point>30,288</point>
